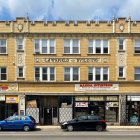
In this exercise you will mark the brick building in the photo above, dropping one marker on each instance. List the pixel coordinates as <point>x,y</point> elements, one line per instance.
<point>57,70</point>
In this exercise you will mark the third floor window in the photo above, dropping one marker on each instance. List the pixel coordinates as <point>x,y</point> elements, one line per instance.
<point>137,46</point>
<point>71,46</point>
<point>3,46</point>
<point>44,46</point>
<point>98,46</point>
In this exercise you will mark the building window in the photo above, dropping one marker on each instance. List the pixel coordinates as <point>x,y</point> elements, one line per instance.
<point>137,73</point>
<point>137,46</point>
<point>98,74</point>
<point>2,46</point>
<point>98,47</point>
<point>20,72</point>
<point>71,74</point>
<point>44,46</point>
<point>3,74</point>
<point>71,46</point>
<point>121,44</point>
<point>44,73</point>
<point>121,72</point>
<point>20,44</point>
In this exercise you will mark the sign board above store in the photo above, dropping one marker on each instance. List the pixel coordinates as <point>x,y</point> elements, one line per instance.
<point>9,87</point>
<point>133,98</point>
<point>11,99</point>
<point>100,86</point>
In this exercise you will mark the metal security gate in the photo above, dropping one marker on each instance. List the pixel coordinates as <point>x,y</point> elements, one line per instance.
<point>34,112</point>
<point>65,114</point>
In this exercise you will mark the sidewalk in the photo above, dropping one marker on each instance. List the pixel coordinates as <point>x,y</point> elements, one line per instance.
<point>109,128</point>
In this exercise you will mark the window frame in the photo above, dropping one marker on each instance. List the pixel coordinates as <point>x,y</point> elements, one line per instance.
<point>39,50</point>
<point>40,74</point>
<point>17,44</point>
<point>137,74</point>
<point>2,46</point>
<point>71,46</point>
<point>123,72</point>
<point>136,46</point>
<point>3,73</point>
<point>18,74</point>
<point>93,46</point>
<point>71,74</point>
<point>93,77</point>
<point>123,44</point>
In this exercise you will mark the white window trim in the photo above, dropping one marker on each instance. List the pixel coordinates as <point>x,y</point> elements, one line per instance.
<point>18,72</point>
<point>124,72</point>
<point>134,73</point>
<point>71,74</point>
<point>6,46</point>
<point>48,46</point>
<point>101,74</point>
<point>71,46</point>
<point>6,74</point>
<point>124,44</point>
<point>94,47</point>
<point>23,44</point>
<point>48,74</point>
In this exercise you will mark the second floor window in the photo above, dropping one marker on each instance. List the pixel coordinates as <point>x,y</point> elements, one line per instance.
<point>98,74</point>
<point>137,46</point>
<point>98,47</point>
<point>71,46</point>
<point>19,44</point>
<point>44,46</point>
<point>121,73</point>
<point>71,74</point>
<point>2,46</point>
<point>44,73</point>
<point>20,72</point>
<point>137,73</point>
<point>3,74</point>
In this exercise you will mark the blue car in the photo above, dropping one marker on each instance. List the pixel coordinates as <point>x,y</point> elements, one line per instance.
<point>25,123</point>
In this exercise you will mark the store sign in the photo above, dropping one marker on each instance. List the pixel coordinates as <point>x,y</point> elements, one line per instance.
<point>11,99</point>
<point>133,98</point>
<point>9,87</point>
<point>81,104</point>
<point>92,87</point>
<point>2,98</point>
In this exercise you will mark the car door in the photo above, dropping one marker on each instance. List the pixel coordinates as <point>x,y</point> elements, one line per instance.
<point>92,121</point>
<point>82,122</point>
<point>9,123</point>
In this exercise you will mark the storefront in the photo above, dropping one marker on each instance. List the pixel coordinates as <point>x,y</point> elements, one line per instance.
<point>104,106</point>
<point>133,110</point>
<point>8,105</point>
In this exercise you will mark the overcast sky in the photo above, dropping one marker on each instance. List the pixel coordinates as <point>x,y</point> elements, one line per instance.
<point>69,9</point>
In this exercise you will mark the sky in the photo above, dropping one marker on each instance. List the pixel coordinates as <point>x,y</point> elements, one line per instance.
<point>69,9</point>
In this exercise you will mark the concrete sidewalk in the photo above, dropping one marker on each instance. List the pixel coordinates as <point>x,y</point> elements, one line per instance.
<point>109,128</point>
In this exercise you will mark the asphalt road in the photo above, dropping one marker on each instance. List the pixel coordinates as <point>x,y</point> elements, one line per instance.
<point>58,134</point>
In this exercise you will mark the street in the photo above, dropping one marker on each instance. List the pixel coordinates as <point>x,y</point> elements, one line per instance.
<point>58,134</point>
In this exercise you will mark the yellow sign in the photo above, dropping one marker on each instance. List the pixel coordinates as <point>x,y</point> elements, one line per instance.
<point>11,99</point>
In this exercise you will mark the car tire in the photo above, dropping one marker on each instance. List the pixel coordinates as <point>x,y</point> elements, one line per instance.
<point>70,128</point>
<point>99,128</point>
<point>26,128</point>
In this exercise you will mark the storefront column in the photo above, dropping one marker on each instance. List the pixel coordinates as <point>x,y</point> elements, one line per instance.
<point>122,110</point>
<point>21,110</point>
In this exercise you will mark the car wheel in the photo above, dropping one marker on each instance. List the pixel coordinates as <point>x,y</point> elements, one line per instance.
<point>99,128</point>
<point>26,128</point>
<point>70,128</point>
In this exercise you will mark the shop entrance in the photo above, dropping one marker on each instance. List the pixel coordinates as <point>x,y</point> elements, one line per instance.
<point>11,109</point>
<point>48,116</point>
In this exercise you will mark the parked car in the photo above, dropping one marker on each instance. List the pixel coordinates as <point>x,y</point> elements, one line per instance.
<point>89,122</point>
<point>25,123</point>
